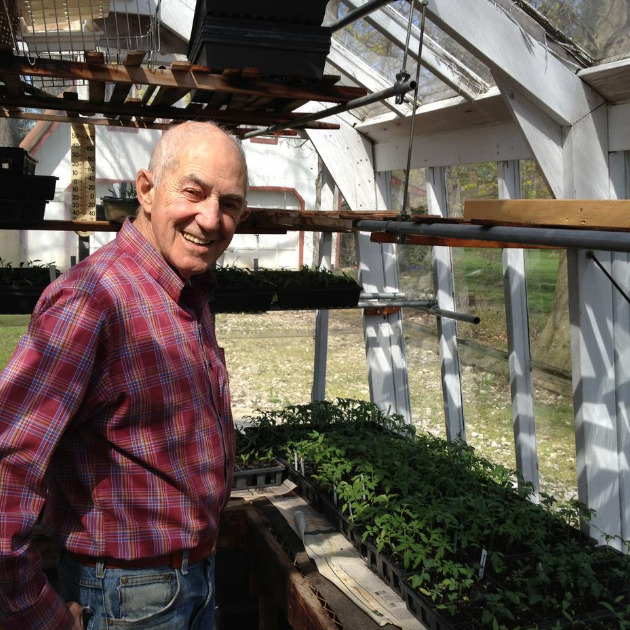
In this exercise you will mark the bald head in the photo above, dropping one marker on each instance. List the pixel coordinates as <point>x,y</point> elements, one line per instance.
<point>166,154</point>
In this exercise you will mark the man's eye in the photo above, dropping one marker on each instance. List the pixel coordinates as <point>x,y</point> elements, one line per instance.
<point>233,206</point>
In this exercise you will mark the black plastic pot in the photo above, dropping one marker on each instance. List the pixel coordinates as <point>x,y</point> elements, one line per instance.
<point>118,209</point>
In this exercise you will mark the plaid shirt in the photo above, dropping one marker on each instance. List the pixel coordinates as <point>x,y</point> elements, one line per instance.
<point>114,420</point>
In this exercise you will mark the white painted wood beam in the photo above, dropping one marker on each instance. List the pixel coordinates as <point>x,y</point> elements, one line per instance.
<point>542,134</point>
<point>620,189</point>
<point>328,200</point>
<point>362,74</point>
<point>519,351</point>
<point>435,58</point>
<point>592,353</point>
<point>597,319</point>
<point>464,146</point>
<point>618,127</point>
<point>490,33</point>
<point>348,157</point>
<point>437,202</point>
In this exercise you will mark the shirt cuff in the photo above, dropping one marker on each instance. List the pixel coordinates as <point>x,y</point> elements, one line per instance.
<point>48,613</point>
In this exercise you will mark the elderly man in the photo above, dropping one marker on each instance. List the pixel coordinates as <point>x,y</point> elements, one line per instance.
<point>115,422</point>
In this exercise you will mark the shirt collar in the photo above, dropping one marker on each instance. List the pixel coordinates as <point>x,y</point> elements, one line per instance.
<point>136,245</point>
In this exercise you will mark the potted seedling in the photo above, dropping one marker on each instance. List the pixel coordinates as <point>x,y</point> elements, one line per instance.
<point>122,203</point>
<point>255,466</point>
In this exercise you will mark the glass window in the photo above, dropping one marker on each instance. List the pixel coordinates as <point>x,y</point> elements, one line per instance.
<point>601,28</point>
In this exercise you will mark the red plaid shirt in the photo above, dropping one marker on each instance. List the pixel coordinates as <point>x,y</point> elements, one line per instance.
<point>114,420</point>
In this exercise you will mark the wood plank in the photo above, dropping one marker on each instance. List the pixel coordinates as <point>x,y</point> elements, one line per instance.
<point>96,89</point>
<point>199,77</point>
<point>121,90</point>
<point>585,213</point>
<point>279,579</point>
<point>262,118</point>
<point>168,96</point>
<point>13,84</point>
<point>62,117</point>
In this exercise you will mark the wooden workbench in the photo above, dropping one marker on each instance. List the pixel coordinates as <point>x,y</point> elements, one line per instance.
<point>289,590</point>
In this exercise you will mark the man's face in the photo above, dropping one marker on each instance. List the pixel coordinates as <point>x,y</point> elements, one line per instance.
<point>195,209</point>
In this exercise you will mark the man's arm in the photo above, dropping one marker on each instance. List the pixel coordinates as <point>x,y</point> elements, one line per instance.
<point>40,391</point>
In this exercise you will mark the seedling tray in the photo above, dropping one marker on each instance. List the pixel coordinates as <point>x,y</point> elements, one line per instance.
<point>258,478</point>
<point>310,297</point>
<point>241,299</point>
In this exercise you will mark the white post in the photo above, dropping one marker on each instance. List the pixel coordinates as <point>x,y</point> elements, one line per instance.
<point>517,323</point>
<point>437,202</point>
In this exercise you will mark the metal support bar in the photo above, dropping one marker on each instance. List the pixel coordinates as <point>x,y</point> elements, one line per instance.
<point>357,14</point>
<point>592,257</point>
<point>378,296</point>
<point>422,304</point>
<point>563,238</point>
<point>394,90</point>
<point>428,305</point>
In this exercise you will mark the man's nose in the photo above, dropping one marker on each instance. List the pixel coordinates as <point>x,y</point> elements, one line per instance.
<point>209,215</point>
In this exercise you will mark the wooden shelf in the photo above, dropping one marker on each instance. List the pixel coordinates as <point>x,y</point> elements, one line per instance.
<point>233,97</point>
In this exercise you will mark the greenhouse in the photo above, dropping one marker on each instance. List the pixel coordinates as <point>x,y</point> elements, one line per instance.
<point>425,310</point>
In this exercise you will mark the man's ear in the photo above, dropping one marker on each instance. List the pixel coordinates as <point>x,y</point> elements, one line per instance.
<point>145,189</point>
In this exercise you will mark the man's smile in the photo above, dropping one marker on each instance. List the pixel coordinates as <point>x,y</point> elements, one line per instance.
<point>195,239</point>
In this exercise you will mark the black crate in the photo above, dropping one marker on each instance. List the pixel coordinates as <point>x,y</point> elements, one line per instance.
<point>274,48</point>
<point>298,12</point>
<point>27,187</point>
<point>22,210</point>
<point>16,161</point>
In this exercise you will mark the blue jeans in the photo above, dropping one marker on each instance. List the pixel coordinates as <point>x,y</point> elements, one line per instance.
<point>160,598</point>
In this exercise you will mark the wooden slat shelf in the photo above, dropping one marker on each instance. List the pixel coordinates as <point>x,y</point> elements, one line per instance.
<point>233,97</point>
<point>260,221</point>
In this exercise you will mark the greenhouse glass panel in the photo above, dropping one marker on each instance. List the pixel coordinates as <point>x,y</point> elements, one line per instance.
<point>601,28</point>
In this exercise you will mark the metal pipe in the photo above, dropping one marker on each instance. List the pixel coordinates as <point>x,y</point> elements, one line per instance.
<point>421,304</point>
<point>357,14</point>
<point>553,237</point>
<point>463,317</point>
<point>398,88</point>
<point>427,305</point>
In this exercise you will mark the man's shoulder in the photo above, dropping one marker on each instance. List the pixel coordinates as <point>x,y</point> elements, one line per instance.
<point>106,270</point>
